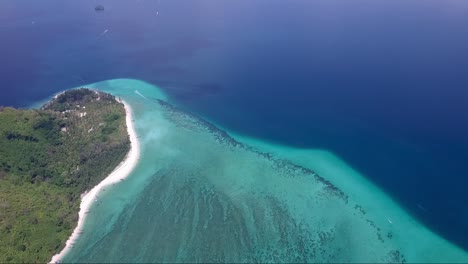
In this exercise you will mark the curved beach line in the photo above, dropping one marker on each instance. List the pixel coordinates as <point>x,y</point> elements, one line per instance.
<point>122,171</point>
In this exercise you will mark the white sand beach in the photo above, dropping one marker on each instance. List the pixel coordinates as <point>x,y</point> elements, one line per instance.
<point>121,172</point>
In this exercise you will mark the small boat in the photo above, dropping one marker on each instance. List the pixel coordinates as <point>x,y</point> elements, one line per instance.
<point>99,8</point>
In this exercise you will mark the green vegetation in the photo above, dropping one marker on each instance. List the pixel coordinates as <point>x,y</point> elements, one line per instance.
<point>48,158</point>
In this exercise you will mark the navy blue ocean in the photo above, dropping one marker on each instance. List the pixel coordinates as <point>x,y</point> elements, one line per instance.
<point>382,84</point>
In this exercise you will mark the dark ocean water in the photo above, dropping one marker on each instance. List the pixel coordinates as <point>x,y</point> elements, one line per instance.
<point>383,84</point>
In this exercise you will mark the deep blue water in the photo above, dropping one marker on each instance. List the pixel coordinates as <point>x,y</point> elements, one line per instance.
<point>383,84</point>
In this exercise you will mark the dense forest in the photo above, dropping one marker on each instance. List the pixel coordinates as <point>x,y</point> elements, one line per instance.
<point>48,158</point>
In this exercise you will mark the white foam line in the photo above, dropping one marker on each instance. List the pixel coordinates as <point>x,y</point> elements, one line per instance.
<point>137,92</point>
<point>118,175</point>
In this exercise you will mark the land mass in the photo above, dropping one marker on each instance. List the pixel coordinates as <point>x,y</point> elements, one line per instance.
<point>49,157</point>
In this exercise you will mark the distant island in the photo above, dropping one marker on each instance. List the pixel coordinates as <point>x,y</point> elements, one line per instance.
<point>49,157</point>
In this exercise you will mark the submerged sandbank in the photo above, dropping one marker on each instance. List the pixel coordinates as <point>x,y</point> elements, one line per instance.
<point>119,174</point>
<point>204,196</point>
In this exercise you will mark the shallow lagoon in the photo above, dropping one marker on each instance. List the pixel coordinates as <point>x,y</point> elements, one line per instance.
<point>199,194</point>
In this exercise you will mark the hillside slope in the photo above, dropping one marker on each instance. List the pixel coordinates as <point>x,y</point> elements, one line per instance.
<point>48,158</point>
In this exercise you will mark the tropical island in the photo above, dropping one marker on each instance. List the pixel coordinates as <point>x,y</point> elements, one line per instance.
<point>49,157</point>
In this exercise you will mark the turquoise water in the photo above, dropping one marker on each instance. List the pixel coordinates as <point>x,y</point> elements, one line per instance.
<point>199,194</point>
<point>381,84</point>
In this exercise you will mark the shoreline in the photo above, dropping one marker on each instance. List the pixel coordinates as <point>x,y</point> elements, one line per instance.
<point>122,171</point>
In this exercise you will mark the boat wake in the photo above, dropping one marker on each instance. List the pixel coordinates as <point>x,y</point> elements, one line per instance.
<point>137,92</point>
